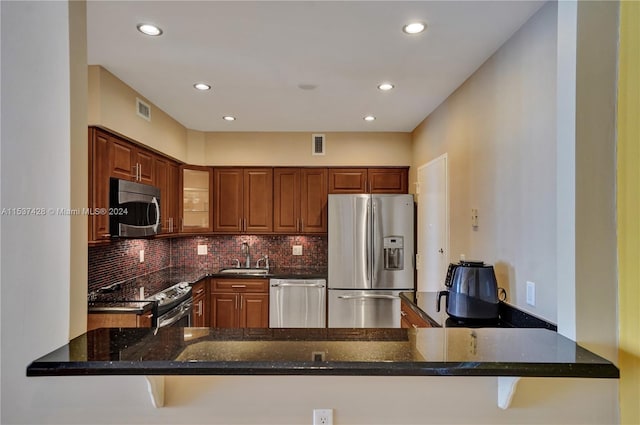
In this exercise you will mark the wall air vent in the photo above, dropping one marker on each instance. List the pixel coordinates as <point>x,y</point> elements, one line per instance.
<point>143,109</point>
<point>317,144</point>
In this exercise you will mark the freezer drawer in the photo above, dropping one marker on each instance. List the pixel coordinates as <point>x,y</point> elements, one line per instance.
<point>364,309</point>
<point>297,303</point>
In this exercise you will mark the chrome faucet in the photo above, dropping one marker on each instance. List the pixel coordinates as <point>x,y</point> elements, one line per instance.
<point>237,262</point>
<point>245,251</point>
<point>266,262</point>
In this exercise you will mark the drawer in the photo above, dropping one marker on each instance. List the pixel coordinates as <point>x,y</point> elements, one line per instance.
<point>410,318</point>
<point>199,289</point>
<point>240,285</point>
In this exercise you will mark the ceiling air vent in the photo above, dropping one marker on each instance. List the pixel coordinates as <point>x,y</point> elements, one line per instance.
<point>143,109</point>
<point>317,144</point>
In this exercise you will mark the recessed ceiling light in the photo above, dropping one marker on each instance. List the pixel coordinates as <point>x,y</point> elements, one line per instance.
<point>369,118</point>
<point>385,86</point>
<point>202,86</point>
<point>149,29</point>
<point>229,118</point>
<point>414,28</point>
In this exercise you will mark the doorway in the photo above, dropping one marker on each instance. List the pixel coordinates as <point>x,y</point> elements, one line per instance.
<point>433,224</point>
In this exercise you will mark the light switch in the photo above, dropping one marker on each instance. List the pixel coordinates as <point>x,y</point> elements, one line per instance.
<point>474,217</point>
<point>531,293</point>
<point>142,255</point>
<point>297,250</point>
<point>202,250</point>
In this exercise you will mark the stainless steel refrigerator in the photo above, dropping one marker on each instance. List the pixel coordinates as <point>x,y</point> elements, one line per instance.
<point>371,259</point>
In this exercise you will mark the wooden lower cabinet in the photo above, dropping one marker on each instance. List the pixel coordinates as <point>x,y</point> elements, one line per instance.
<point>200,309</point>
<point>118,320</point>
<point>239,303</point>
<point>411,319</point>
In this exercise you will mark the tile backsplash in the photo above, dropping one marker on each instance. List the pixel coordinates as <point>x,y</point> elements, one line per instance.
<point>121,260</point>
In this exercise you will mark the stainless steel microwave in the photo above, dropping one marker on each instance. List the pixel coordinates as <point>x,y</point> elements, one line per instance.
<point>134,209</point>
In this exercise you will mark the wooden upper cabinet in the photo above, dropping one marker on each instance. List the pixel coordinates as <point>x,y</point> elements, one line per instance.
<point>243,200</point>
<point>300,200</point>
<point>286,200</point>
<point>388,180</point>
<point>130,162</point>
<point>122,159</point>
<point>369,180</point>
<point>166,179</point>
<point>195,202</point>
<point>227,199</point>
<point>258,200</point>
<point>313,200</point>
<point>145,162</point>
<point>347,180</point>
<point>99,173</point>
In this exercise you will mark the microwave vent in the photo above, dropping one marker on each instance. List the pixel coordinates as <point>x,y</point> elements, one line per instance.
<point>317,144</point>
<point>143,109</point>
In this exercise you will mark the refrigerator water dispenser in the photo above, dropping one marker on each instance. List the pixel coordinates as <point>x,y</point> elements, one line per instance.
<point>394,253</point>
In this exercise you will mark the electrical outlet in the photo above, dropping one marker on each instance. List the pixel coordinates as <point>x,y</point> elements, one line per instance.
<point>142,255</point>
<point>297,250</point>
<point>322,416</point>
<point>531,293</point>
<point>202,250</point>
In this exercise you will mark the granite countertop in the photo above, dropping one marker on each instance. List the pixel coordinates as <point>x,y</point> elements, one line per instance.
<point>400,352</point>
<point>425,305</point>
<point>131,295</point>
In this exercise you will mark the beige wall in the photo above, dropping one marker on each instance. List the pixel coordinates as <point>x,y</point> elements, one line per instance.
<point>79,166</point>
<point>294,149</point>
<point>498,129</point>
<point>112,104</point>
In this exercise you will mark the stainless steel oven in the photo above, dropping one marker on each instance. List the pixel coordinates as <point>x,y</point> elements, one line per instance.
<point>180,315</point>
<point>174,306</point>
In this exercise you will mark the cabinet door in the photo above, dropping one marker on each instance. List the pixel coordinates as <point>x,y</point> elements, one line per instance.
<point>228,200</point>
<point>122,159</point>
<point>161,173</point>
<point>347,180</point>
<point>196,199</point>
<point>388,180</point>
<point>99,172</point>
<point>200,312</point>
<point>144,160</point>
<point>313,198</point>
<point>258,200</point>
<point>254,310</point>
<point>286,200</point>
<point>173,201</point>
<point>224,310</point>
<point>166,178</point>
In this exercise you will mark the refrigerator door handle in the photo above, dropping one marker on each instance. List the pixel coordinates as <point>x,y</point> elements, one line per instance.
<point>358,297</point>
<point>368,242</point>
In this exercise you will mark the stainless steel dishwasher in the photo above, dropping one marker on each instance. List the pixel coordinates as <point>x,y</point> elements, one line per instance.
<point>297,303</point>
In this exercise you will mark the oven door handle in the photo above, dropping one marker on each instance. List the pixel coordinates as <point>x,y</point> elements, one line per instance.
<point>179,314</point>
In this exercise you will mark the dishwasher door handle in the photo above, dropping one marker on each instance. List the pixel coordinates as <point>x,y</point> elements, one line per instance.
<point>306,285</point>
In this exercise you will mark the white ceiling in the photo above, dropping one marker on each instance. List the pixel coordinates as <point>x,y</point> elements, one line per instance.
<point>256,54</point>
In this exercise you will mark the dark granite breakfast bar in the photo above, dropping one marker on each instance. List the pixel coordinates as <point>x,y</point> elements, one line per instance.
<point>399,352</point>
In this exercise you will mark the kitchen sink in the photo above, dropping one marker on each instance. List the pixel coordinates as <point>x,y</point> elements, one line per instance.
<point>236,270</point>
